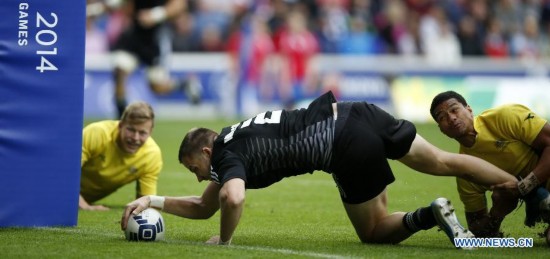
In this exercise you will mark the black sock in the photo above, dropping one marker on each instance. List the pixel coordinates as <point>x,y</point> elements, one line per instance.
<point>421,219</point>
<point>120,105</point>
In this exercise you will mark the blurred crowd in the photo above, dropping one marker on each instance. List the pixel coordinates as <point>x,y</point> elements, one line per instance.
<point>439,29</point>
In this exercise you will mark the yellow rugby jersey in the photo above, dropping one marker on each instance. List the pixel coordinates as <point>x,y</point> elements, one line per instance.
<point>504,136</point>
<point>105,167</point>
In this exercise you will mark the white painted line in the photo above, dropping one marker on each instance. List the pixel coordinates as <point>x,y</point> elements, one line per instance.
<point>233,246</point>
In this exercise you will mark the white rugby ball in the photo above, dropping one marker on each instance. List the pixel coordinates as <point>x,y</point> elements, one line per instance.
<point>146,226</point>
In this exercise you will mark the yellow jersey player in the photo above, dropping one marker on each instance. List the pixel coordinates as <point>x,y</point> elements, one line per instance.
<point>511,137</point>
<point>115,153</point>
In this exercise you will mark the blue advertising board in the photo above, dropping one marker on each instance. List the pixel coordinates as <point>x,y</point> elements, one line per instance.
<point>222,95</point>
<point>41,92</point>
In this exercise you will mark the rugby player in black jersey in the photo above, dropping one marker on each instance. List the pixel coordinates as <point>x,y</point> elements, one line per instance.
<point>146,41</point>
<point>350,140</point>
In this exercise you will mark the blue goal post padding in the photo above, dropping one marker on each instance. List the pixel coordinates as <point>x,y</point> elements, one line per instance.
<point>41,103</point>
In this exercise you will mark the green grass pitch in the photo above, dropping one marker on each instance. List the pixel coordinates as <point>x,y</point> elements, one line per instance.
<point>300,217</point>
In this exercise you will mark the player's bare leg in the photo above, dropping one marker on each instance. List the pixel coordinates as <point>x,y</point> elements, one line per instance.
<point>120,77</point>
<point>427,158</point>
<point>161,83</point>
<point>124,63</point>
<point>373,224</point>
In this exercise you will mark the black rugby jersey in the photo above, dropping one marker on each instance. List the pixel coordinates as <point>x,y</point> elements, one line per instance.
<point>146,4</point>
<point>140,5</point>
<point>276,144</point>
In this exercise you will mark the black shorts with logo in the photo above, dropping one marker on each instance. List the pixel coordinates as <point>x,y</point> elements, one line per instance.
<point>365,138</point>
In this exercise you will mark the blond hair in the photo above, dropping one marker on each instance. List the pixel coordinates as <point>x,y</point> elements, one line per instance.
<point>137,113</point>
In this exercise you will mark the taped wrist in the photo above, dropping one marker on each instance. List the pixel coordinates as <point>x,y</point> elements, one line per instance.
<point>156,202</point>
<point>528,184</point>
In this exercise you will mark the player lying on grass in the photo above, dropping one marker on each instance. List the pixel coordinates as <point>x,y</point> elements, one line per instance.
<point>115,153</point>
<point>351,141</point>
<point>511,137</point>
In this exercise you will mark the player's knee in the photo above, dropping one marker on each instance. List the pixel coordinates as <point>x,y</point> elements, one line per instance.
<point>373,239</point>
<point>374,236</point>
<point>124,61</point>
<point>158,76</point>
<point>367,238</point>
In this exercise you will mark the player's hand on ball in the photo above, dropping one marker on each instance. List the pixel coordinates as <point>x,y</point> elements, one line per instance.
<point>147,226</point>
<point>134,208</point>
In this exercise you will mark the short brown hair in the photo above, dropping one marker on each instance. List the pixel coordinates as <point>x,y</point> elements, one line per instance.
<point>138,112</point>
<point>194,140</point>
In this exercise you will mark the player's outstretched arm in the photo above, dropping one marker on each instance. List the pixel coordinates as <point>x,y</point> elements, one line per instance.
<point>195,207</point>
<point>427,158</point>
<point>192,207</point>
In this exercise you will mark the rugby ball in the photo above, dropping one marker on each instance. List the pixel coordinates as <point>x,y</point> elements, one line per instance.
<point>146,226</point>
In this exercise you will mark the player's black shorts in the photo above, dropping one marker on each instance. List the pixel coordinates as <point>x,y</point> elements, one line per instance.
<point>365,138</point>
<point>142,43</point>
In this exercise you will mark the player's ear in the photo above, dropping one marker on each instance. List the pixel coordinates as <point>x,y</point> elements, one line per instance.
<point>469,108</point>
<point>207,150</point>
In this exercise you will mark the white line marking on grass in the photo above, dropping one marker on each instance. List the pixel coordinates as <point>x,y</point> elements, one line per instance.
<point>268,249</point>
<point>288,251</point>
<point>235,247</point>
